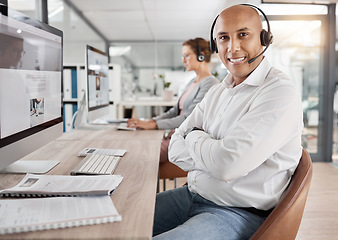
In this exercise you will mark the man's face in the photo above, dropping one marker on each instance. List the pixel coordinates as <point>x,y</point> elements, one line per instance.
<point>238,41</point>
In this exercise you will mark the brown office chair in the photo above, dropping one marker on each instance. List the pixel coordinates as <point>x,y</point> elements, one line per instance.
<point>167,170</point>
<point>283,222</point>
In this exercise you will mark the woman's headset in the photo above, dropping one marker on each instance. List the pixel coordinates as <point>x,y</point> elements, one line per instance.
<point>200,56</point>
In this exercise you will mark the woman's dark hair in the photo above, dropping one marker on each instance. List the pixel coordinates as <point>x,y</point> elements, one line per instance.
<point>202,44</point>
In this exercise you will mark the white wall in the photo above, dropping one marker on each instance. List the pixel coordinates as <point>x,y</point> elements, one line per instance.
<point>148,81</point>
<point>75,52</point>
<point>179,80</point>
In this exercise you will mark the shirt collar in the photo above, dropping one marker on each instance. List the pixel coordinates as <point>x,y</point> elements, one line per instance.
<point>256,78</point>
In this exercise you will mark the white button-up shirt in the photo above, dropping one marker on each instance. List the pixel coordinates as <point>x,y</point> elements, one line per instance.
<point>251,143</point>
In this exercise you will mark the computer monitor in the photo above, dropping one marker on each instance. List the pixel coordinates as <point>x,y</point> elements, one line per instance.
<point>97,83</point>
<point>30,89</point>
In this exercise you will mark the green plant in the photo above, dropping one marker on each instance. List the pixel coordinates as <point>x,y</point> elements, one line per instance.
<point>166,84</point>
<point>215,74</point>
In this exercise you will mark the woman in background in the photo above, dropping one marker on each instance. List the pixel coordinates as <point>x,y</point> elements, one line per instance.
<point>195,55</point>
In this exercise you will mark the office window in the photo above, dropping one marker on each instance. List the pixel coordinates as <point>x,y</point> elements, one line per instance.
<point>297,52</point>
<point>27,7</point>
<point>294,9</point>
<point>77,34</point>
<point>335,127</point>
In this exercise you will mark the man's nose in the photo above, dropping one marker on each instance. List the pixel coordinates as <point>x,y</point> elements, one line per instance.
<point>234,45</point>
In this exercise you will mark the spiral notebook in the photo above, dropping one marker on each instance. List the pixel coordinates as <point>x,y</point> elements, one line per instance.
<point>34,214</point>
<point>33,185</point>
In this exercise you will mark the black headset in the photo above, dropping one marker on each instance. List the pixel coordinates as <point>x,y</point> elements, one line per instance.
<point>266,36</point>
<point>200,56</point>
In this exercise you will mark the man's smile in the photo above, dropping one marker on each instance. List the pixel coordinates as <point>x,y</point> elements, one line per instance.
<point>236,60</point>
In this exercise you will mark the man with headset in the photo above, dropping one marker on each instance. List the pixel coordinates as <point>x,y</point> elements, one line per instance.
<point>240,145</point>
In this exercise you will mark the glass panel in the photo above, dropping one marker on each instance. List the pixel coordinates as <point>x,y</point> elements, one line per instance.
<point>76,33</point>
<point>27,7</point>
<point>335,128</point>
<point>294,9</point>
<point>297,53</point>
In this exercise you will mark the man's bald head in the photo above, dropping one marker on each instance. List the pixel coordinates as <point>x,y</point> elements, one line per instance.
<point>236,12</point>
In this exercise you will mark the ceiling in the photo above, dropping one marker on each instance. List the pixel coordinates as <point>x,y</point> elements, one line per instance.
<point>158,20</point>
<point>150,20</point>
<point>154,28</point>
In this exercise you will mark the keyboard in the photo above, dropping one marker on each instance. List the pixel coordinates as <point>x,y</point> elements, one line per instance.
<point>96,164</point>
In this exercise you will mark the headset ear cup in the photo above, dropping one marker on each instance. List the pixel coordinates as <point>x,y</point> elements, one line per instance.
<point>200,58</point>
<point>266,38</point>
<point>270,37</point>
<point>216,49</point>
<point>213,46</point>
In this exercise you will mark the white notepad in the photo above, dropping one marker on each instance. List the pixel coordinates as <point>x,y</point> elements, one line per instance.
<point>25,215</point>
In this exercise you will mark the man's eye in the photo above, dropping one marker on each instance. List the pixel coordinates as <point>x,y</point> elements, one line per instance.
<point>243,34</point>
<point>223,37</point>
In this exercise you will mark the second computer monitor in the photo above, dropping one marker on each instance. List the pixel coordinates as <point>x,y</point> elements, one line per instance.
<point>97,83</point>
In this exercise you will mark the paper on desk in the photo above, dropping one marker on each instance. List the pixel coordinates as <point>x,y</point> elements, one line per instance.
<point>24,215</point>
<point>63,185</point>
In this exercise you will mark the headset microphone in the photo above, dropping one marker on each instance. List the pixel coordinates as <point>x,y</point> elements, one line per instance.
<point>253,59</point>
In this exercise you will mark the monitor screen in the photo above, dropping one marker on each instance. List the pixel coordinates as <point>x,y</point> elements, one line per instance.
<point>97,83</point>
<point>30,85</point>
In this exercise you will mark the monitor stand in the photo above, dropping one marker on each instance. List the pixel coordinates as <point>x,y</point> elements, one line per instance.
<point>79,118</point>
<point>30,166</point>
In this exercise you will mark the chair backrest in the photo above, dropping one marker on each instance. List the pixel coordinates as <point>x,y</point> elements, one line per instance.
<point>283,222</point>
<point>168,170</point>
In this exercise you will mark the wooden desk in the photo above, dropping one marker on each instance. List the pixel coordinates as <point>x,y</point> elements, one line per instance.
<point>135,196</point>
<point>109,133</point>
